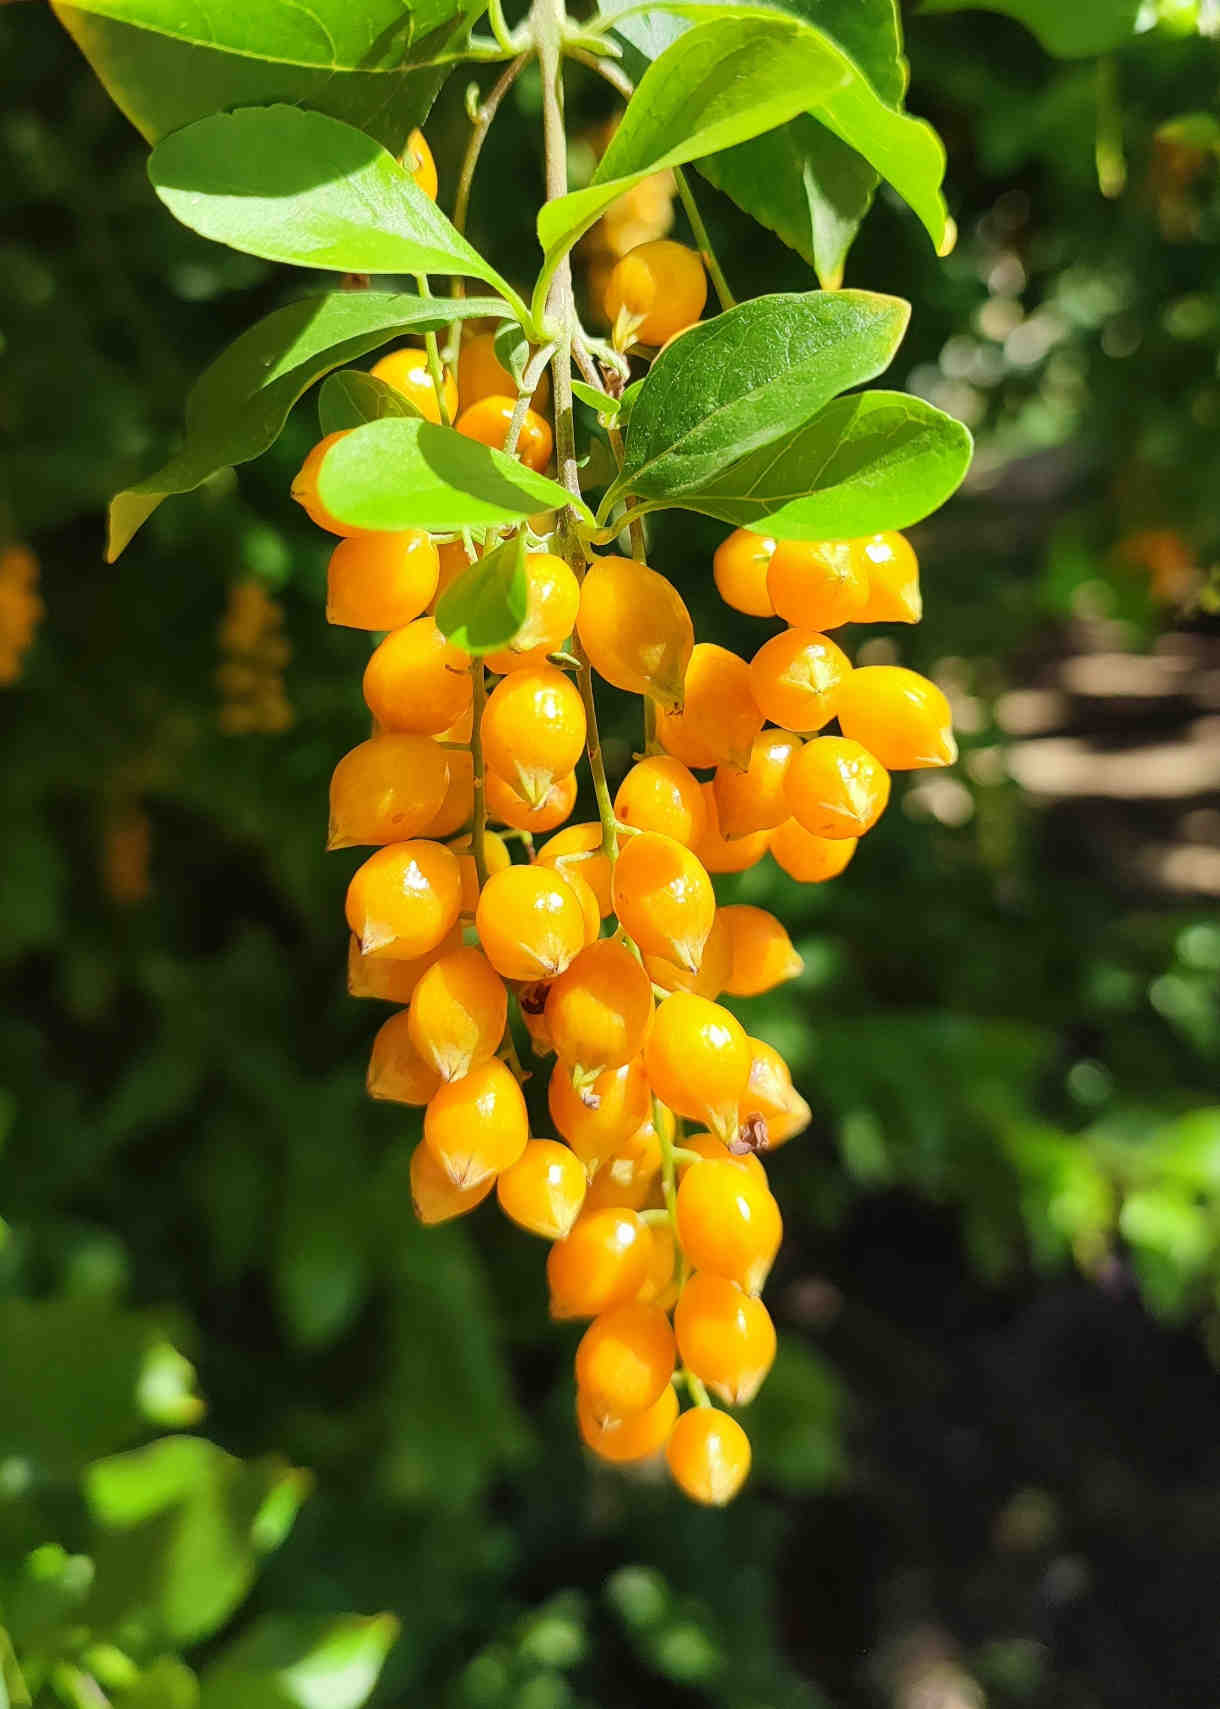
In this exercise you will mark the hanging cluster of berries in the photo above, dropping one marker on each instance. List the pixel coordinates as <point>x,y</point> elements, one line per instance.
<point>20,608</point>
<point>603,945</point>
<point>250,676</point>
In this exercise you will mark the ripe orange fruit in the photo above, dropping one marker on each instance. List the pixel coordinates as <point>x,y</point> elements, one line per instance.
<point>810,860</point>
<point>726,1338</point>
<point>458,1013</point>
<point>816,584</point>
<point>771,1098</point>
<point>740,569</point>
<point>406,369</point>
<point>797,678</point>
<point>534,730</point>
<point>709,1455</point>
<point>655,291</point>
<point>417,158</point>
<point>719,718</point>
<point>381,581</point>
<point>434,1198</point>
<point>505,806</point>
<point>698,1061</point>
<point>392,981</point>
<point>600,1009</point>
<point>387,790</point>
<point>305,492</point>
<point>719,853</point>
<point>835,788</point>
<point>715,966</point>
<point>753,800</point>
<point>480,374</point>
<point>552,601</point>
<point>488,421</point>
<point>396,1071</point>
<point>663,898</point>
<point>530,923</point>
<point>761,952</point>
<point>457,809</point>
<point>404,899</point>
<point>659,794</point>
<point>625,1360</point>
<point>602,1263</point>
<point>476,1127</point>
<point>416,681</point>
<point>636,1438</point>
<point>635,628</point>
<point>544,1189</point>
<point>891,569</point>
<point>577,849</point>
<point>600,1118</point>
<point>728,1221</point>
<point>899,716</point>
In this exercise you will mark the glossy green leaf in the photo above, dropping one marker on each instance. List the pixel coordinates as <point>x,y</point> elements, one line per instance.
<point>238,406</point>
<point>306,189</point>
<point>512,351</point>
<point>749,376</point>
<point>484,606</point>
<point>351,397</point>
<point>1070,29</point>
<point>413,474</point>
<point>301,1662</point>
<point>874,461</point>
<point>601,401</point>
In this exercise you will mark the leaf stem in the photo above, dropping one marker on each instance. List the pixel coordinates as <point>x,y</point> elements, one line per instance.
<point>435,370</point>
<point>488,109</point>
<point>703,241</point>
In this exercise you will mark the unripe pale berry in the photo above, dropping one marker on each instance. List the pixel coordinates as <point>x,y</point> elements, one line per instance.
<point>477,1126</point>
<point>635,628</point>
<point>899,716</point>
<point>835,788</point>
<point>718,853</point>
<point>417,681</point>
<point>387,790</point>
<point>602,1263</point>
<point>406,369</point>
<point>663,898</point>
<point>530,923</point>
<point>305,492</point>
<point>719,717</point>
<point>534,730</point>
<point>578,849</point>
<point>622,1440</point>
<point>816,584</point>
<point>726,1338</point>
<point>505,806</point>
<point>381,581</point>
<point>891,569</point>
<point>417,158</point>
<point>655,291</point>
<point>404,899</point>
<point>771,1099</point>
<point>552,601</point>
<point>600,1009</point>
<point>698,1061</point>
<point>810,860</point>
<point>740,567</point>
<point>392,981</point>
<point>708,1454</point>
<point>728,1222</point>
<point>481,375</point>
<point>599,1118</point>
<point>458,1013</point>
<point>625,1360</point>
<point>753,800</point>
<point>487,421</point>
<point>659,794</point>
<point>434,1198</point>
<point>715,967</point>
<point>396,1070</point>
<point>762,955</point>
<point>544,1189</point>
<point>797,678</point>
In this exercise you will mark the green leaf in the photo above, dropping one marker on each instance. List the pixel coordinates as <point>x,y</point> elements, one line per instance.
<point>601,401</point>
<point>305,189</point>
<point>1070,30</point>
<point>484,606</point>
<point>874,461</point>
<point>351,397</point>
<point>167,1684</point>
<point>749,376</point>
<point>512,351</point>
<point>238,406</point>
<point>413,474</point>
<point>1192,130</point>
<point>166,65</point>
<point>301,1662</point>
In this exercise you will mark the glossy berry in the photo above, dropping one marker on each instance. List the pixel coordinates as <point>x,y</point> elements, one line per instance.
<point>659,794</point>
<point>761,952</point>
<point>530,923</point>
<point>458,1013</point>
<point>487,421</point>
<point>417,158</point>
<point>719,717</point>
<point>406,369</point>
<point>305,492</point>
<point>392,981</point>
<point>476,1127</point>
<point>396,1070</point>
<point>753,800</point>
<point>434,1198</point>
<point>600,1117</point>
<point>663,898</point>
<point>623,1440</point>
<point>810,860</point>
<point>625,1360</point>
<point>496,857</point>
<point>599,1010</point>
<point>381,581</point>
<point>718,853</point>
<point>590,908</point>
<point>602,1263</point>
<point>404,899</point>
<point>891,569</point>
<point>715,965</point>
<point>726,1338</point>
<point>551,603</point>
<point>728,1221</point>
<point>416,681</point>
<point>534,730</point>
<point>544,1189</point>
<point>457,808</point>
<point>387,790</point>
<point>660,1286</point>
<point>451,562</point>
<point>708,1147</point>
<point>698,1061</point>
<point>797,678</point>
<point>636,630</point>
<point>816,584</point>
<point>480,374</point>
<point>899,716</point>
<point>835,788</point>
<point>505,806</point>
<point>708,1454</point>
<point>655,291</point>
<point>578,849</point>
<point>740,568</point>
<point>771,1099</point>
<point>628,1179</point>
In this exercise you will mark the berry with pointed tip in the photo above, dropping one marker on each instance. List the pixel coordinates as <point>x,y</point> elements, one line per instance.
<point>719,717</point>
<point>305,492</point>
<point>625,1360</point>
<point>600,1009</point>
<point>387,790</point>
<point>552,599</point>
<point>406,369</point>
<point>657,290</point>
<point>488,420</point>
<point>381,581</point>
<point>771,1099</point>
<point>458,1013</point>
<point>476,1127</point>
<point>405,899</point>
<point>397,1072</point>
<point>496,857</point>
<point>797,678</point>
<point>578,849</point>
<point>602,1263</point>
<point>816,584</point>
<point>623,1440</point>
<point>505,806</point>
<point>715,967</point>
<point>481,374</point>
<point>630,1178</point>
<point>899,716</point>
<point>457,809</point>
<point>659,794</point>
<point>534,730</point>
<point>635,628</point>
<point>708,1454</point>
<point>600,1118</point>
<point>663,898</point>
<point>753,800</point>
<point>530,923</point>
<point>836,788</point>
<point>708,1147</point>
<point>392,981</point>
<point>810,860</point>
<point>740,569</point>
<point>726,1338</point>
<point>544,1190</point>
<point>416,681</point>
<point>434,1198</point>
<point>417,158</point>
<point>698,1061</point>
<point>719,853</point>
<point>762,952</point>
<point>890,567</point>
<point>728,1221</point>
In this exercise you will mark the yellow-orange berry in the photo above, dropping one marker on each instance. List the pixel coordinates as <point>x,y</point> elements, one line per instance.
<point>622,1440</point>
<point>719,717</point>
<point>718,853</point>
<point>451,562</point>
<point>392,981</point>
<point>458,1013</point>
<point>599,1118</point>
<point>530,923</point>
<point>434,1198</point>
<point>708,1147</point>
<point>457,809</point>
<point>659,794</point>
<point>480,374</point>
<point>698,1060</point>
<point>740,567</point>
<point>715,966</point>
<point>600,1009</point>
<point>381,581</point>
<point>387,790</point>
<point>589,907</point>
<point>488,420</point>
<point>899,716</point>
<point>708,1454</point>
<point>578,849</point>
<point>635,628</point>
<point>891,569</point>
<point>629,1178</point>
<point>810,860</point>
<point>663,898</point>
<point>762,955</point>
<point>416,681</point>
<point>753,800</point>
<point>505,806</point>
<point>476,1127</point>
<point>305,492</point>
<point>544,1189</point>
<point>816,584</point>
<point>656,290</point>
<point>551,603</point>
<point>406,369</point>
<point>417,158</point>
<point>625,1360</point>
<point>404,899</point>
<point>726,1338</point>
<point>835,788</point>
<point>602,1263</point>
<point>397,1072</point>
<point>534,730</point>
<point>797,678</point>
<point>496,856</point>
<point>660,1286</point>
<point>728,1221</point>
<point>771,1099</point>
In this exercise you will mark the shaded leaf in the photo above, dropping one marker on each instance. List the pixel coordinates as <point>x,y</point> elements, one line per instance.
<point>351,397</point>
<point>167,1684</point>
<point>1070,30</point>
<point>301,1662</point>
<point>484,606</point>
